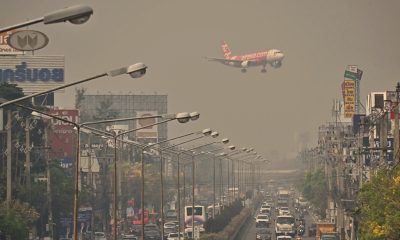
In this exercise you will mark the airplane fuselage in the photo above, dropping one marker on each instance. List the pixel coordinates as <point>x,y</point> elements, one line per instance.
<point>256,59</point>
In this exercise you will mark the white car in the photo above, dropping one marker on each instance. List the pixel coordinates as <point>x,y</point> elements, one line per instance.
<point>284,211</point>
<point>284,238</point>
<point>174,236</point>
<point>262,220</point>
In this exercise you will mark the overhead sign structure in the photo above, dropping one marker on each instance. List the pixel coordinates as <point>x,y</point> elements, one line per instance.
<point>32,73</point>
<point>5,49</point>
<point>28,40</point>
<point>147,132</point>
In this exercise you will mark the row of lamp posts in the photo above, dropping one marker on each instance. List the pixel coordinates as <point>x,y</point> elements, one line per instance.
<point>78,15</point>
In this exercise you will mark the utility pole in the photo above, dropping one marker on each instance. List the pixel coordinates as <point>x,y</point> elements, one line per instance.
<point>28,157</point>
<point>9,155</point>
<point>396,124</point>
<point>47,149</point>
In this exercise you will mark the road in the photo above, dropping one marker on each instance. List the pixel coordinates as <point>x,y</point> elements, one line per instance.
<point>249,230</point>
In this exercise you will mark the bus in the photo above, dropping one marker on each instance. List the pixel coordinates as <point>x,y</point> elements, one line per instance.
<point>199,216</point>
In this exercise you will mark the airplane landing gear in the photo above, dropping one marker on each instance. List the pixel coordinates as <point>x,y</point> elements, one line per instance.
<point>263,70</point>
<point>243,70</point>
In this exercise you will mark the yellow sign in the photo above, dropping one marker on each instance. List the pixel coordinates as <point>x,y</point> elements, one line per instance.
<point>349,92</point>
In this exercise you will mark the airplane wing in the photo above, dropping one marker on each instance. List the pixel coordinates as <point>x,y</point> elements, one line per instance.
<point>227,61</point>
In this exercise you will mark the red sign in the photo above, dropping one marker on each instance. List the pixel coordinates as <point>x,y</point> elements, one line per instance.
<point>62,136</point>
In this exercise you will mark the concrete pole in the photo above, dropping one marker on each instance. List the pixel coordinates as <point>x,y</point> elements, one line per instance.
<point>28,157</point>
<point>221,184</point>
<point>49,200</point>
<point>162,195</point>
<point>9,155</point>
<point>179,196</point>
<point>396,125</point>
<point>213,187</point>
<point>193,185</point>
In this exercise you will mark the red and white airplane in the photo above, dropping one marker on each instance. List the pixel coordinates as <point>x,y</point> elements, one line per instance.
<point>273,57</point>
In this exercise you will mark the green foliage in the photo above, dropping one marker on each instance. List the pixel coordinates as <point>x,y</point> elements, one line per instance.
<point>314,189</point>
<point>222,220</point>
<point>16,220</point>
<point>379,206</point>
<point>234,216</point>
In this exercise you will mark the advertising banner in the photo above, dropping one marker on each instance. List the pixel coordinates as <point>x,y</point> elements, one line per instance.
<point>5,49</point>
<point>349,97</point>
<point>62,136</point>
<point>147,132</point>
<point>32,73</point>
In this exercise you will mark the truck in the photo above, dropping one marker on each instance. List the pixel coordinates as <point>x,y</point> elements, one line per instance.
<point>326,231</point>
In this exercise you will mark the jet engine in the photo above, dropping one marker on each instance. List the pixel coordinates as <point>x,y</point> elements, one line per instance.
<point>245,64</point>
<point>276,64</point>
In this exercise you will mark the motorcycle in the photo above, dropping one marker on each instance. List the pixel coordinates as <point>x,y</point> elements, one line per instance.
<point>301,230</point>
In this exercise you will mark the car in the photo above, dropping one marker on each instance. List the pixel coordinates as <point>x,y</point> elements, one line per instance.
<point>262,220</point>
<point>312,230</point>
<point>151,227</point>
<point>129,237</point>
<point>284,237</point>
<point>284,211</point>
<point>263,234</point>
<point>170,224</point>
<point>152,235</point>
<point>168,230</point>
<point>99,236</point>
<point>174,236</point>
<point>171,215</point>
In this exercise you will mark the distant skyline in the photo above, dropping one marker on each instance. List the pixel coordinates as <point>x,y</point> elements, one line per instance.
<point>265,111</point>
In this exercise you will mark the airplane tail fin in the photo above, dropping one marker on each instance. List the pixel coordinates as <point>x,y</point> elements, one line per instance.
<point>225,49</point>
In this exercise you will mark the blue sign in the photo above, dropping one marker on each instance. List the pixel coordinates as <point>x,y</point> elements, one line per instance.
<point>22,73</point>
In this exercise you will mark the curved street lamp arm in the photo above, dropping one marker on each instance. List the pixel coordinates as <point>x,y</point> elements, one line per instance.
<point>20,25</point>
<point>120,120</point>
<point>50,90</point>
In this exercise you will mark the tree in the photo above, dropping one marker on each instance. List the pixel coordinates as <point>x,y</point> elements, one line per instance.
<point>314,189</point>
<point>379,206</point>
<point>17,219</point>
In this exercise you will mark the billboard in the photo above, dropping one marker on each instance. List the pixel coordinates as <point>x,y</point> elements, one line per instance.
<point>5,49</point>
<point>349,97</point>
<point>32,73</point>
<point>62,136</point>
<point>146,132</point>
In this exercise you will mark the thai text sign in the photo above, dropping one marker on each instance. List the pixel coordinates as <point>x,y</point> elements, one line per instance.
<point>349,97</point>
<point>32,73</point>
<point>5,49</point>
<point>62,136</point>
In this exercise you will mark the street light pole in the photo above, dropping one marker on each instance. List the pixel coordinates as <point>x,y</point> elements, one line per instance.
<point>75,14</point>
<point>115,136</point>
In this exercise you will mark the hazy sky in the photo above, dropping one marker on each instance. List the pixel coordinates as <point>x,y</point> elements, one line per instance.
<point>265,111</point>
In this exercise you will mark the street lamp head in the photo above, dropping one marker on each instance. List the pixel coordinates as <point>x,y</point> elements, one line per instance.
<point>39,115</point>
<point>206,132</point>
<point>225,141</point>
<point>194,116</point>
<point>232,147</point>
<point>222,154</point>
<point>76,14</point>
<point>183,117</point>
<point>136,70</point>
<point>214,134</point>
